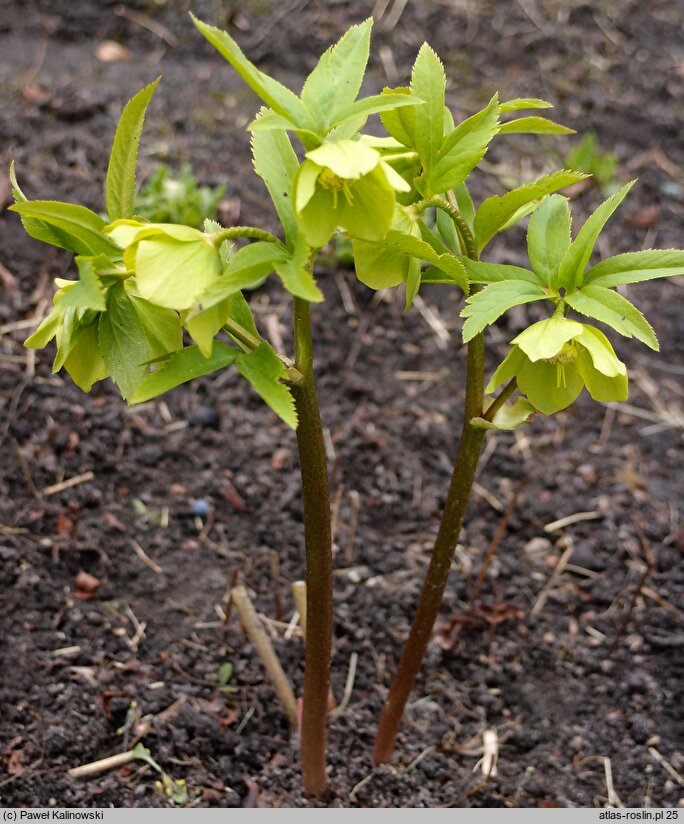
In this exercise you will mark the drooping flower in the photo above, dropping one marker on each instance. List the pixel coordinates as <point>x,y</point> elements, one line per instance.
<point>554,359</point>
<point>173,264</point>
<point>345,183</point>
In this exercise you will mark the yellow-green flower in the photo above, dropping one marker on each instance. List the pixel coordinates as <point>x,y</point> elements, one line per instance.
<point>173,264</point>
<point>347,184</point>
<point>554,359</point>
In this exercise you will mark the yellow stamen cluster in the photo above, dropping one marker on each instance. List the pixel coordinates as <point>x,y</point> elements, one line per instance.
<point>329,180</point>
<point>568,354</point>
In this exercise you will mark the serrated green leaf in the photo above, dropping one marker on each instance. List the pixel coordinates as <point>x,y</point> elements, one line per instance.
<point>70,226</point>
<point>571,271</point>
<point>534,125</point>
<point>615,310</point>
<point>419,249</point>
<point>548,237</point>
<point>374,105</point>
<point>428,83</point>
<point>464,148</point>
<point>276,163</point>
<point>413,281</point>
<point>274,94</point>
<point>298,280</point>
<point>484,307</point>
<point>133,332</point>
<point>268,120</point>
<point>247,266</point>
<point>87,292</point>
<point>497,212</point>
<point>480,272</point>
<point>120,187</point>
<point>265,371</point>
<point>335,82</point>
<point>636,267</point>
<point>400,123</point>
<point>242,314</point>
<point>46,331</point>
<point>183,366</point>
<point>524,103</point>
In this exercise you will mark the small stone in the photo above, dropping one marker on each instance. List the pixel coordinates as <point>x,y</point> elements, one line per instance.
<point>200,508</point>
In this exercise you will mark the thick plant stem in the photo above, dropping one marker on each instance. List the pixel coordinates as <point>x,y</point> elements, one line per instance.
<point>318,549</point>
<point>442,554</point>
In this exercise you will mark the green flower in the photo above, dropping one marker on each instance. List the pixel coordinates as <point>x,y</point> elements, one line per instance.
<point>172,264</point>
<point>347,184</point>
<point>554,359</point>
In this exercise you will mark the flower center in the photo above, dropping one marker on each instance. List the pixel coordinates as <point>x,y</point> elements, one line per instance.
<point>568,354</point>
<point>330,181</point>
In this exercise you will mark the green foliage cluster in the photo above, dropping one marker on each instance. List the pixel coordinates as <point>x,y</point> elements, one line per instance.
<point>166,199</point>
<point>146,282</point>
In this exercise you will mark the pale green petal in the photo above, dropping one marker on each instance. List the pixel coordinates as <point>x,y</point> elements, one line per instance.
<point>547,387</point>
<point>507,369</point>
<point>369,214</point>
<point>123,232</point>
<point>171,273</point>
<point>602,387</point>
<point>304,183</point>
<point>394,179</point>
<point>319,218</point>
<point>602,353</point>
<point>546,338</point>
<point>348,159</point>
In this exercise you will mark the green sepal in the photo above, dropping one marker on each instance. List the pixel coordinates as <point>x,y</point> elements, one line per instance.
<point>500,212</point>
<point>484,307</point>
<point>84,363</point>
<point>120,186</point>
<point>379,266</point>
<point>183,366</point>
<point>546,338</point>
<point>510,416</point>
<point>133,332</point>
<point>265,371</point>
<point>614,309</point>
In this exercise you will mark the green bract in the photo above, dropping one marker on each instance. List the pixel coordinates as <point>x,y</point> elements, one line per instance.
<point>172,264</point>
<point>347,184</point>
<point>554,359</point>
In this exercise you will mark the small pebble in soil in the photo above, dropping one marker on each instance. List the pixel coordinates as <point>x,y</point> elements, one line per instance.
<point>205,416</point>
<point>200,508</point>
<point>584,556</point>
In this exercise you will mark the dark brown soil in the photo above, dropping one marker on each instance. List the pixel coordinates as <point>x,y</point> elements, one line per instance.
<point>568,682</point>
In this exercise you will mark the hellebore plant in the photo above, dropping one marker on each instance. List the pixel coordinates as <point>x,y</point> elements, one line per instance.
<point>403,201</point>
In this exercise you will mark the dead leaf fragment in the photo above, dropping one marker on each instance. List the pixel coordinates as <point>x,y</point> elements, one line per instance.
<point>109,51</point>
<point>86,586</point>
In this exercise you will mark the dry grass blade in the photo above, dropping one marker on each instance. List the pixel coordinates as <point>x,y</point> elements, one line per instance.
<point>254,629</point>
